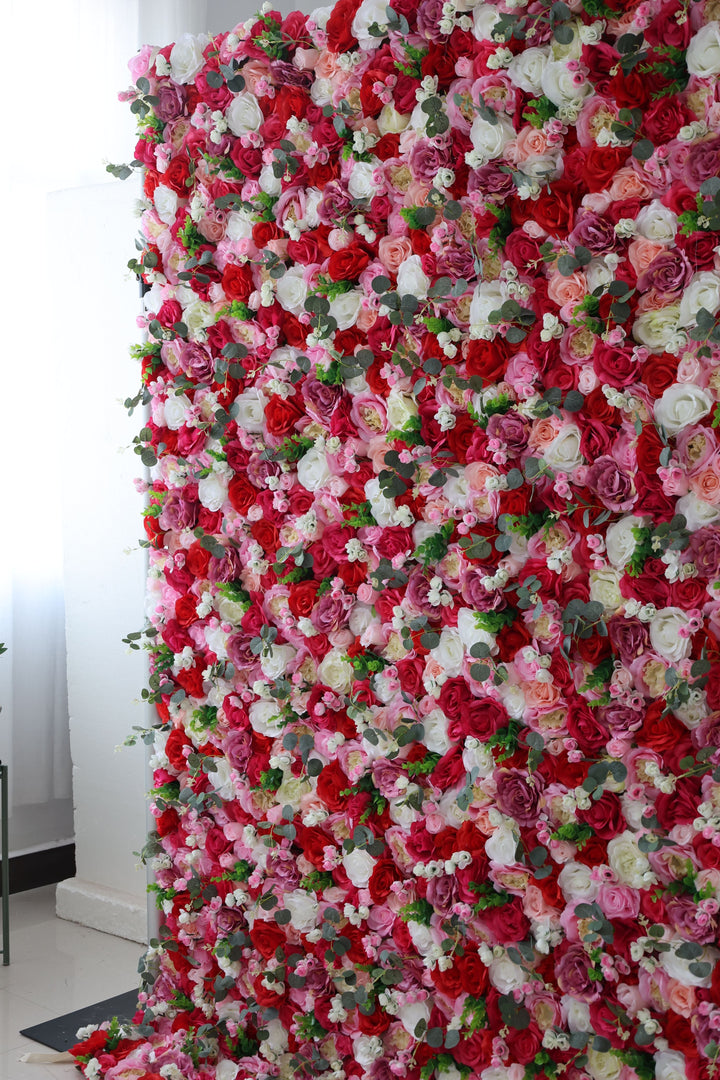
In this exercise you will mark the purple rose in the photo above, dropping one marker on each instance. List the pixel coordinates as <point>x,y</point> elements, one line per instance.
<point>426,159</point>
<point>238,747</point>
<point>572,972</point>
<point>336,203</point>
<point>511,429</point>
<point>416,595</point>
<point>621,720</point>
<point>457,262</point>
<point>613,486</point>
<point>328,614</point>
<point>239,651</point>
<point>320,398</point>
<point>595,233</point>
<point>442,893</point>
<point>282,866</point>
<point>476,595</point>
<point>630,638</point>
<point>286,74</point>
<point>170,101</point>
<point>490,181</point>
<point>702,162</point>
<point>429,16</point>
<point>690,922</point>
<point>518,794</point>
<point>704,551</point>
<point>228,568</point>
<point>196,362</point>
<point>178,513</point>
<point>668,273</point>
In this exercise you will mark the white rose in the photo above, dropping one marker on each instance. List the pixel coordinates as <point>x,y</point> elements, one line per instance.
<point>506,976</point>
<point>558,84</point>
<point>598,274</point>
<point>628,861</point>
<point>212,491</point>
<point>292,290</point>
<point>366,1049</point>
<point>681,405</point>
<point>412,279</point>
<point>678,968</point>
<point>221,781</point>
<point>485,18</point>
<point>576,882</point>
<point>238,226</point>
<point>577,1013</point>
<point>563,454</point>
<point>166,203</point>
<point>277,1041</point>
<point>243,114</point>
<point>269,182</point>
<point>250,414</point>
<point>401,408</point>
<point>392,122</point>
<point>619,540</point>
<point>697,512</point>
<point>291,791</point>
<point>411,1015</point>
<point>489,140</point>
<point>469,633</point>
<point>265,717</point>
<point>664,636</point>
<point>336,672</point>
<point>401,813</point>
<point>303,908</point>
<point>369,12</point>
<point>670,1065</point>
<point>383,509</point>
<point>360,184</point>
<point>660,330</point>
<point>488,296</point>
<point>703,54</point>
<point>657,222</point>
<point>345,308</point>
<point>703,291</point>
<point>449,653</point>
<point>436,736</point>
<point>275,663</point>
<point>605,588</point>
<point>526,69</point>
<point>186,57</point>
<point>322,92</point>
<point>359,865</point>
<point>312,469</point>
<point>361,616</point>
<point>176,410</point>
<point>226,1070</point>
<point>501,845</point>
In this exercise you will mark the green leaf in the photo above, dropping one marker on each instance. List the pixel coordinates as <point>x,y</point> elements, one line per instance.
<point>643,150</point>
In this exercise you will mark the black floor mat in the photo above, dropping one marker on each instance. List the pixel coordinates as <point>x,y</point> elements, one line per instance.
<point>61,1033</point>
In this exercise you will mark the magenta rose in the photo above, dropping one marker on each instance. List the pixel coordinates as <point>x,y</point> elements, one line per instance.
<point>519,794</point>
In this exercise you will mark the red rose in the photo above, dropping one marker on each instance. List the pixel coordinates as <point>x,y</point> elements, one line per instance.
<point>659,372</point>
<point>448,982</point>
<point>186,610</point>
<point>659,732</point>
<point>282,414</point>
<point>330,783</point>
<point>177,174</point>
<point>348,263</point>
<point>601,164</point>
<point>241,493</point>
<point>340,38</point>
<point>266,936</point>
<point>374,1023</point>
<point>664,118</point>
<point>291,101</point>
<point>553,211</point>
<point>237,281</point>
<point>381,879</point>
<point>473,973</point>
<point>508,922</point>
<point>450,770</point>
<point>197,560</point>
<point>614,365</point>
<point>191,680</point>
<point>604,816</point>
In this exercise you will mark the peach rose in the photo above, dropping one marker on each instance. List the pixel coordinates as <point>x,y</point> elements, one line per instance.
<point>641,253</point>
<point>534,904</point>
<point>366,318</point>
<point>530,142</point>
<point>540,695</point>
<point>393,250</point>
<point>326,66</point>
<point>628,185</point>
<point>253,72</point>
<point>564,290</point>
<point>681,998</point>
<point>706,484</point>
<point>543,432</point>
<point>478,473</point>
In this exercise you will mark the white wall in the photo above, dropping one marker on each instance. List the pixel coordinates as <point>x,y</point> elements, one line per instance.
<point>91,230</point>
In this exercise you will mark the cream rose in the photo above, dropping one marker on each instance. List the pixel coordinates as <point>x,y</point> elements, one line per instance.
<point>336,672</point>
<point>563,454</point>
<point>265,717</point>
<point>176,410</point>
<point>197,315</point>
<point>410,1015</point>
<point>313,471</point>
<point>576,882</point>
<point>450,652</point>
<point>505,975</point>
<point>665,637</point>
<point>369,12</point>
<point>186,57</point>
<point>619,540</point>
<point>383,509</point>
<point>558,84</point>
<point>501,846</point>
<point>436,736</point>
<point>605,588</point>
<point>628,862</point>
<point>392,122</point>
<point>488,296</point>
<point>469,633</point>
<point>696,512</point>
<point>703,54</point>
<point>603,1066</point>
<point>401,408</point>
<point>275,662</point>
<point>269,182</point>
<point>526,69</point>
<point>212,491</point>
<point>660,329</point>
<point>670,1065</point>
<point>244,114</point>
<point>485,17</point>
<point>681,405</point>
<point>657,223</point>
<point>679,968</point>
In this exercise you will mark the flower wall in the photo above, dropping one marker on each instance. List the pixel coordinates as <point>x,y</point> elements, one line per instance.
<point>432,368</point>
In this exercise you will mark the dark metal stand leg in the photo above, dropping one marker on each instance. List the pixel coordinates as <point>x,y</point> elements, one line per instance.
<point>5,865</point>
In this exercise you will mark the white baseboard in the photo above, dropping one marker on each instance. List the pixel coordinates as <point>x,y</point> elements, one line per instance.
<point>109,910</point>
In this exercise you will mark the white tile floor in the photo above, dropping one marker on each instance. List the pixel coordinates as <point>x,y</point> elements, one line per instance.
<point>56,967</point>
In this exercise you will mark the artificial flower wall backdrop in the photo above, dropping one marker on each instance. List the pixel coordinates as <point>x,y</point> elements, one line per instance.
<point>432,368</point>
